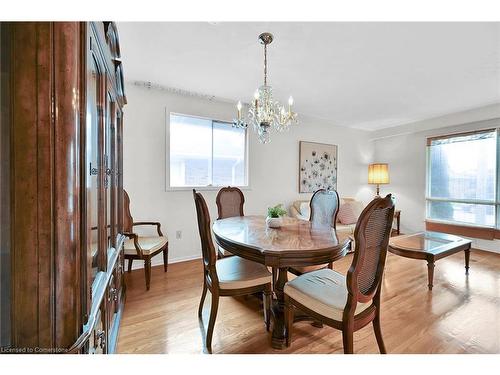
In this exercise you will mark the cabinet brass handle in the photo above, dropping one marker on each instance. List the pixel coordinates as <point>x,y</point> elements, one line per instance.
<point>114,294</point>
<point>93,171</point>
<point>101,338</point>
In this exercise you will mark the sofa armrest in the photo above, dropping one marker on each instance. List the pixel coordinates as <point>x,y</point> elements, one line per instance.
<point>294,212</point>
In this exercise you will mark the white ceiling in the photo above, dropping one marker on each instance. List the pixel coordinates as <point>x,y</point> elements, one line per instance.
<point>364,75</point>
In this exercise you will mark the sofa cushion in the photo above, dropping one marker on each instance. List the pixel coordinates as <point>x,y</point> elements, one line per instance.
<point>343,201</point>
<point>345,228</point>
<point>298,203</point>
<point>349,212</point>
<point>305,209</point>
<point>295,210</point>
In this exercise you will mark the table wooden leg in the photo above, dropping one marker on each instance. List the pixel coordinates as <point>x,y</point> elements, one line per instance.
<point>430,273</point>
<point>274,277</point>
<point>467,258</point>
<point>279,334</point>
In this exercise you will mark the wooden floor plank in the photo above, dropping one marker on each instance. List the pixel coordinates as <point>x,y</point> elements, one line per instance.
<point>460,315</point>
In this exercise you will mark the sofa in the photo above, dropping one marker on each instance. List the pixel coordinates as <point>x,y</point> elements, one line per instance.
<point>300,209</point>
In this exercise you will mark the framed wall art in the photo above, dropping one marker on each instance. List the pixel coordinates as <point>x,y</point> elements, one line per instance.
<point>317,166</point>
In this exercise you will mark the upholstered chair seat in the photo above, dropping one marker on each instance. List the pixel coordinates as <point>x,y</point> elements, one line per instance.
<point>148,245</point>
<point>323,291</point>
<point>239,273</point>
<point>304,269</point>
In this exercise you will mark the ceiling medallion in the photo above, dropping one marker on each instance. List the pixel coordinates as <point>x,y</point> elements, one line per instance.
<point>264,113</point>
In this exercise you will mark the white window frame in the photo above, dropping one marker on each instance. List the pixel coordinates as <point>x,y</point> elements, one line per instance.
<point>168,187</point>
<point>495,203</point>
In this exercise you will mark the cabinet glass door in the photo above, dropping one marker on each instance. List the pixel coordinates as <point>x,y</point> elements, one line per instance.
<point>119,199</point>
<point>96,255</point>
<point>119,169</point>
<point>110,185</point>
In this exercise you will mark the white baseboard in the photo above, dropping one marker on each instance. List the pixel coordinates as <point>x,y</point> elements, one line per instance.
<point>158,261</point>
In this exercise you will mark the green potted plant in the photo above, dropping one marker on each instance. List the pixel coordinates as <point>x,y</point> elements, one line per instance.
<point>274,216</point>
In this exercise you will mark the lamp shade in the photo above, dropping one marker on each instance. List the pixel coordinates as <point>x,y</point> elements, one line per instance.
<point>378,173</point>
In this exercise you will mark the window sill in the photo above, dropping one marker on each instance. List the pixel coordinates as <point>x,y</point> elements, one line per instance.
<point>484,233</point>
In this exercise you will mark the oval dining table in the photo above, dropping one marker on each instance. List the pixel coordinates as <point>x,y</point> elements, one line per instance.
<point>297,243</point>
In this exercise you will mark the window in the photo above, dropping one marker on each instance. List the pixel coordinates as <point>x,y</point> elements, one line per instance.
<point>205,153</point>
<point>462,179</point>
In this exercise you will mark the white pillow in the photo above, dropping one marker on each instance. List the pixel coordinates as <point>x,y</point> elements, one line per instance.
<point>305,210</point>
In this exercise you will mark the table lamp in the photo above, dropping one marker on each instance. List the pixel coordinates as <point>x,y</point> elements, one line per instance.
<point>378,173</point>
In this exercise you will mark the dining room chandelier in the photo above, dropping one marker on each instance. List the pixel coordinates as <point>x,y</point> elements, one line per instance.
<point>265,113</point>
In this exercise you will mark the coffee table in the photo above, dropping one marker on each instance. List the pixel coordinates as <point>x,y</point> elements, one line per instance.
<point>430,246</point>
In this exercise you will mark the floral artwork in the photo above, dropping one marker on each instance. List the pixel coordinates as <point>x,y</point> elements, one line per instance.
<point>318,167</point>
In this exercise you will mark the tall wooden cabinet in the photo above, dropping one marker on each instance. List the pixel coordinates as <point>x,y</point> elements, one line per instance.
<point>62,99</point>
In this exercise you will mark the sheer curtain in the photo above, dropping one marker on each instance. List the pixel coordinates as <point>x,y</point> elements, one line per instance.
<point>462,178</point>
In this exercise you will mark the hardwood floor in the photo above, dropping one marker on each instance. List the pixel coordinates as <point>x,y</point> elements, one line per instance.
<point>460,315</point>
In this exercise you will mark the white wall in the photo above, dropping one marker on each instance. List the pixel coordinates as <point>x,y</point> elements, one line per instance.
<point>273,167</point>
<point>404,148</point>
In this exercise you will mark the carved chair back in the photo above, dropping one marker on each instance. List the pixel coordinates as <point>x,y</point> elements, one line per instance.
<point>324,207</point>
<point>207,245</point>
<point>230,202</point>
<point>127,217</point>
<point>371,235</point>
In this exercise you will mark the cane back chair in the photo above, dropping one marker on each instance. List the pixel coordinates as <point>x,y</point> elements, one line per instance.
<point>230,201</point>
<point>324,206</point>
<point>348,303</point>
<point>230,276</point>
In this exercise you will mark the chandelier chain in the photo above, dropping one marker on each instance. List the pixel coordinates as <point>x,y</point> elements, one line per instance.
<point>265,64</point>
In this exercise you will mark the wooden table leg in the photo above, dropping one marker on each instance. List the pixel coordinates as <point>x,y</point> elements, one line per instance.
<point>467,258</point>
<point>430,273</point>
<point>278,340</point>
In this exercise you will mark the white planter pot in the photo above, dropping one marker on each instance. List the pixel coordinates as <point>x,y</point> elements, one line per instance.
<point>274,222</point>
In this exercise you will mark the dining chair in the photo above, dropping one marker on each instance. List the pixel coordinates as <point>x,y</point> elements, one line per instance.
<point>324,206</point>
<point>348,303</point>
<point>230,276</point>
<point>230,201</point>
<point>142,247</point>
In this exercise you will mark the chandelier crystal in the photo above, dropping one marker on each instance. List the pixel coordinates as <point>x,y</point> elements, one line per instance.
<point>264,113</point>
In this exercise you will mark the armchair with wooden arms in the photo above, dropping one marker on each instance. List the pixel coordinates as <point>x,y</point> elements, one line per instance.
<point>142,247</point>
